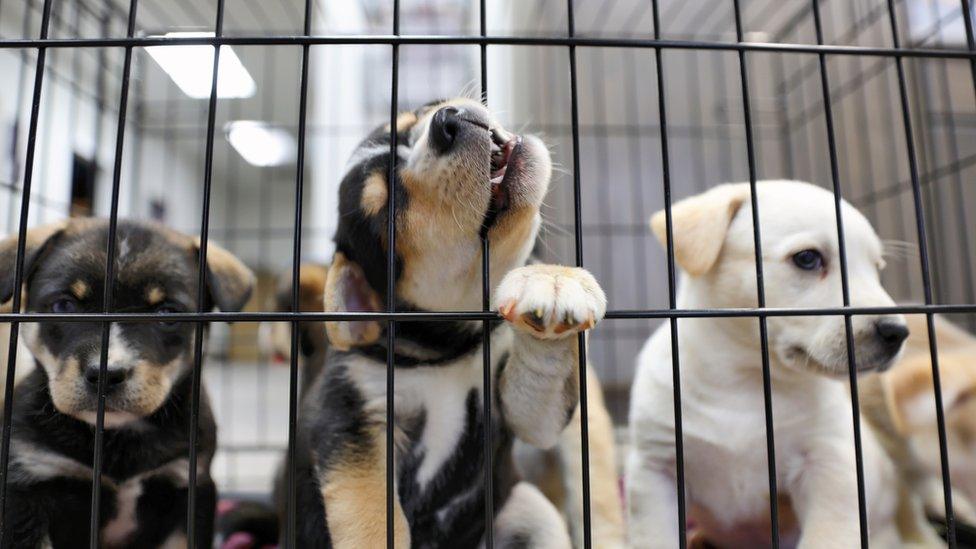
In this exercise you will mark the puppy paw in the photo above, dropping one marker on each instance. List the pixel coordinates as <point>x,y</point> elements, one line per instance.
<point>550,301</point>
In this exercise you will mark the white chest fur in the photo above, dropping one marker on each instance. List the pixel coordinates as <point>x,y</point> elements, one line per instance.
<point>439,392</point>
<point>125,522</point>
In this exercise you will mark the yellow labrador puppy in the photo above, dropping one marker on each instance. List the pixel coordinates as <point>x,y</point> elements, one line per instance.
<point>901,405</point>
<point>726,477</point>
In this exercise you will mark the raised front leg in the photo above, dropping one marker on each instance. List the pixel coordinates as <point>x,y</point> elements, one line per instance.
<point>539,385</point>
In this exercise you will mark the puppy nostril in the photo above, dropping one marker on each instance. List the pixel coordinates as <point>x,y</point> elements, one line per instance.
<point>113,376</point>
<point>893,334</point>
<point>444,128</point>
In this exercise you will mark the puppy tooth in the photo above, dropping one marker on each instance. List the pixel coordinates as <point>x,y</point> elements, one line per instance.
<point>590,322</point>
<point>506,310</point>
<point>569,319</point>
<point>538,313</point>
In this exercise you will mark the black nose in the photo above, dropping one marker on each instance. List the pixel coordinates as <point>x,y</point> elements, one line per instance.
<point>892,334</point>
<point>113,376</point>
<point>444,129</point>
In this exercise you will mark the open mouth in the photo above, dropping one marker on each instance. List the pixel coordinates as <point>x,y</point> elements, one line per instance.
<point>504,153</point>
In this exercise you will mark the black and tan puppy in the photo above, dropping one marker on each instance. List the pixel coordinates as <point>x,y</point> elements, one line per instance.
<point>459,175</point>
<point>146,441</point>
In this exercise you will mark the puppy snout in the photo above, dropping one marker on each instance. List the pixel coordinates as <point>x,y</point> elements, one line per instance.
<point>444,128</point>
<point>114,376</point>
<point>891,334</point>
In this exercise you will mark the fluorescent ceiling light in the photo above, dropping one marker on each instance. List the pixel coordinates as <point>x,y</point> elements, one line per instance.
<point>191,67</point>
<point>260,143</point>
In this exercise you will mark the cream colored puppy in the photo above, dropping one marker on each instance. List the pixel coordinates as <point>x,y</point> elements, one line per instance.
<point>726,478</point>
<point>901,406</point>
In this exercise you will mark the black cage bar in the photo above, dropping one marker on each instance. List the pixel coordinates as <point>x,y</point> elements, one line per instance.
<point>803,104</point>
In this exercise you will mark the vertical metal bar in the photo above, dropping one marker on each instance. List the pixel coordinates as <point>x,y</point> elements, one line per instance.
<point>926,279</point>
<point>97,459</point>
<point>782,118</point>
<point>637,168</point>
<point>967,15</point>
<point>486,325</point>
<point>21,91</point>
<point>845,284</point>
<point>391,282</point>
<point>8,390</point>
<point>760,285</point>
<point>672,299</point>
<point>604,212</point>
<point>231,163</point>
<point>969,288</point>
<point>296,262</point>
<point>264,222</point>
<point>578,234</point>
<point>191,504</point>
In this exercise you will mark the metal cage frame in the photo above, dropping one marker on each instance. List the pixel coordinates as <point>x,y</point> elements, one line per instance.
<point>743,49</point>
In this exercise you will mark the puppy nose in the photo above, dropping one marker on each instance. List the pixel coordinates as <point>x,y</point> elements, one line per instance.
<point>113,376</point>
<point>891,333</point>
<point>444,128</point>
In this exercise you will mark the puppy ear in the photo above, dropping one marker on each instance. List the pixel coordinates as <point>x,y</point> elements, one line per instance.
<point>230,281</point>
<point>699,224</point>
<point>347,290</point>
<point>37,241</point>
<point>910,391</point>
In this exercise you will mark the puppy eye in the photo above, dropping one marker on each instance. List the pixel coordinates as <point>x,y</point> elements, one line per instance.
<point>808,260</point>
<point>64,306</point>
<point>167,310</point>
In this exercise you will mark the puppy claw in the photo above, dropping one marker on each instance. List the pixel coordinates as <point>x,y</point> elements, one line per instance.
<point>548,301</point>
<point>506,310</point>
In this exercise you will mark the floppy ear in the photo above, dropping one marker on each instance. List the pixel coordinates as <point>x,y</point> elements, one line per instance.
<point>909,390</point>
<point>230,282</point>
<point>347,290</point>
<point>699,224</point>
<point>37,241</point>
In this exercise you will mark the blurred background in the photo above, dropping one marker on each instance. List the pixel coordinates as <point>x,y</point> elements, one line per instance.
<point>254,172</point>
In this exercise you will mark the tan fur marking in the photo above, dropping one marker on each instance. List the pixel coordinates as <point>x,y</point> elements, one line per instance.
<point>80,289</point>
<point>155,295</point>
<point>404,121</point>
<point>374,197</point>
<point>354,492</point>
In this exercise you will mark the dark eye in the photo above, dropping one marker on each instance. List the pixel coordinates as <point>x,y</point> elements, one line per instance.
<point>64,306</point>
<point>808,260</point>
<point>167,310</point>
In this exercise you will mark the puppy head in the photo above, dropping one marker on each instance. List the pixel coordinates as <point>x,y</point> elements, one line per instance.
<point>276,336</point>
<point>156,271</point>
<point>713,244</point>
<point>910,397</point>
<point>459,176</point>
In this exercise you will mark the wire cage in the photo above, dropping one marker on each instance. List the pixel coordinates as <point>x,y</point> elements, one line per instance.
<point>642,102</point>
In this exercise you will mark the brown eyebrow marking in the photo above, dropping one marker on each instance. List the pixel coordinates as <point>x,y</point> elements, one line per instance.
<point>80,289</point>
<point>374,195</point>
<point>154,295</point>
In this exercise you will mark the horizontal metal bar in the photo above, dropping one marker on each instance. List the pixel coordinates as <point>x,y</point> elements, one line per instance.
<point>381,39</point>
<point>479,315</point>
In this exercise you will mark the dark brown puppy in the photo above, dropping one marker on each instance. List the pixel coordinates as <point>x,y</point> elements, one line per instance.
<point>145,468</point>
